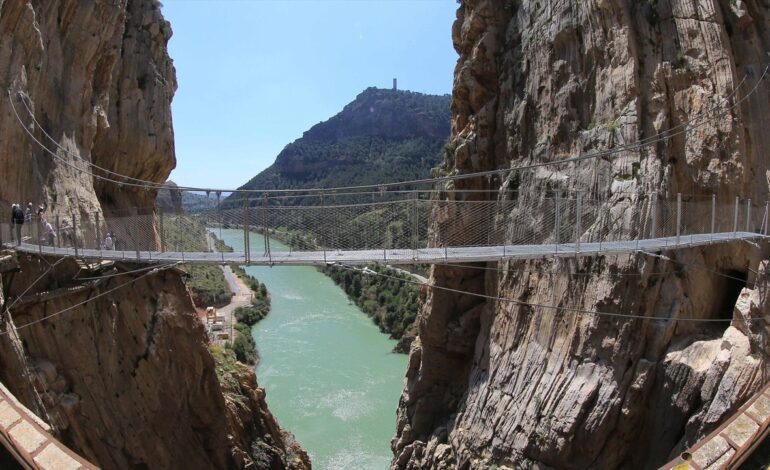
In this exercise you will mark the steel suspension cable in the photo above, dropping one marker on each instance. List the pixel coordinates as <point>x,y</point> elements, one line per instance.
<point>545,306</point>
<point>90,299</point>
<point>662,136</point>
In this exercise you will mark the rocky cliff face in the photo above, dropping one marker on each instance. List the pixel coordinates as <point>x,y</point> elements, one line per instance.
<point>99,82</point>
<point>125,379</point>
<point>169,200</point>
<point>517,386</point>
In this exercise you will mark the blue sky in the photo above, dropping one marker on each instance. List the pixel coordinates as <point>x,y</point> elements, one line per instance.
<point>253,75</point>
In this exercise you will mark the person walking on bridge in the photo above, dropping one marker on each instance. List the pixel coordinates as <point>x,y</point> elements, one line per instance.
<point>28,219</point>
<point>17,220</point>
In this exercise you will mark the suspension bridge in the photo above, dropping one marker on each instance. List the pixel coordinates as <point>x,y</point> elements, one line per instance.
<point>321,226</point>
<point>406,228</point>
<point>397,231</point>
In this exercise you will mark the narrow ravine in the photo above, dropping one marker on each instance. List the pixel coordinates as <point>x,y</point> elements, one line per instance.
<point>329,373</point>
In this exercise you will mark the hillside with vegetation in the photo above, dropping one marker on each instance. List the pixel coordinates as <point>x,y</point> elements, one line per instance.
<point>391,299</point>
<point>383,135</point>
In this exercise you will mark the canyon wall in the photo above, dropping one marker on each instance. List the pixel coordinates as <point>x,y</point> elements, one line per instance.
<point>510,384</point>
<point>125,379</point>
<point>92,83</point>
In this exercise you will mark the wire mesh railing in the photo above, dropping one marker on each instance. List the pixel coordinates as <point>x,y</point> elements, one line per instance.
<point>561,222</point>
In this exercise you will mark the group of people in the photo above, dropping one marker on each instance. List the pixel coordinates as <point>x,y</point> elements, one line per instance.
<point>19,218</point>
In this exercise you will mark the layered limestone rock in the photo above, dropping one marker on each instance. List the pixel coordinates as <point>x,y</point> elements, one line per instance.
<point>125,379</point>
<point>98,80</point>
<point>501,383</point>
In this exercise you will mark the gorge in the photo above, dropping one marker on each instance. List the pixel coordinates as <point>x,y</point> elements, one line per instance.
<point>512,366</point>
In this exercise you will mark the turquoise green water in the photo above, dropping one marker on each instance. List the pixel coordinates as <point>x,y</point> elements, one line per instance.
<point>328,372</point>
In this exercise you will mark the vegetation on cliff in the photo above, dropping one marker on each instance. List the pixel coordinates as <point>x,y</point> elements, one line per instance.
<point>391,301</point>
<point>243,346</point>
<point>207,283</point>
<point>260,303</point>
<point>208,286</point>
<point>383,135</point>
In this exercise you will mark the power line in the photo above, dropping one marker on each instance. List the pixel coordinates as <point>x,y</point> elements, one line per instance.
<point>79,304</point>
<point>45,273</point>
<point>691,264</point>
<point>123,273</point>
<point>660,137</point>
<point>91,164</point>
<point>545,306</point>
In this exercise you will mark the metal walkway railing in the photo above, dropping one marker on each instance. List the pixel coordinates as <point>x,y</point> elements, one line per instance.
<point>397,231</point>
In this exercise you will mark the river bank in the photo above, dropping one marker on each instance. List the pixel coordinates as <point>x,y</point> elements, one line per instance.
<point>388,295</point>
<point>329,374</point>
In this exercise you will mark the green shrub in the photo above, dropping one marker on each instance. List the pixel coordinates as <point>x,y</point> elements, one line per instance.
<point>391,301</point>
<point>244,347</point>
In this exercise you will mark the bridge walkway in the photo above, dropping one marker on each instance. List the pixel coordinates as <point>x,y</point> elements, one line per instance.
<point>460,254</point>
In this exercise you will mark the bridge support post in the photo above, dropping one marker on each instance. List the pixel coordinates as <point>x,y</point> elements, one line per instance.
<point>98,232</point>
<point>678,216</point>
<point>75,233</point>
<point>556,223</point>
<point>654,203</point>
<point>713,215</point>
<point>162,234</point>
<point>266,225</point>
<point>578,214</point>
<point>246,229</point>
<point>58,232</point>
<point>748,215</point>
<point>37,232</point>
<point>735,216</point>
<point>767,214</point>
<point>414,227</point>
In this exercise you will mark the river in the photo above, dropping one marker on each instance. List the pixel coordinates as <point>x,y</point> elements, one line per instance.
<point>329,373</point>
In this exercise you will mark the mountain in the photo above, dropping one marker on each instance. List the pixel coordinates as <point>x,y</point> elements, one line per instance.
<point>382,135</point>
